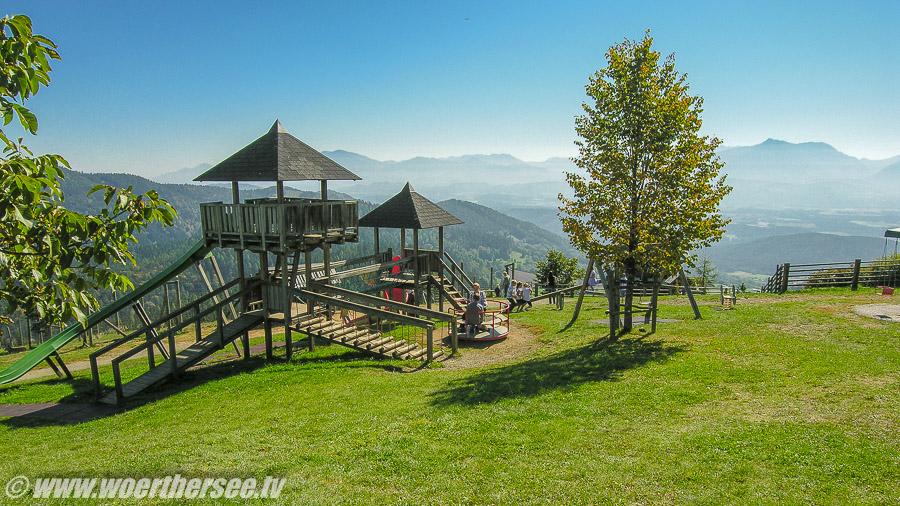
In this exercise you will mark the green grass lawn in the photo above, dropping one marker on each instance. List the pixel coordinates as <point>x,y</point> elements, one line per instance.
<point>787,399</point>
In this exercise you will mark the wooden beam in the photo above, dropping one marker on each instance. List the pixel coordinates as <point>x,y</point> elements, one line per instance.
<point>584,284</point>
<point>689,293</point>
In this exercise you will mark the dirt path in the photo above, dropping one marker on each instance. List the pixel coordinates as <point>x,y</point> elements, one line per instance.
<point>520,343</point>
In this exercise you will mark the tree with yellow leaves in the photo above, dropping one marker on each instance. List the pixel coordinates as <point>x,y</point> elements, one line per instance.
<point>650,189</point>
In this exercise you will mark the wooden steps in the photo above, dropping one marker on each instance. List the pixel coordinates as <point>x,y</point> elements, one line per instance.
<point>186,358</point>
<point>449,291</point>
<point>361,339</point>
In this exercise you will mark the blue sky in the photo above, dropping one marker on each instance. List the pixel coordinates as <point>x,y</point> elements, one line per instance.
<point>151,87</point>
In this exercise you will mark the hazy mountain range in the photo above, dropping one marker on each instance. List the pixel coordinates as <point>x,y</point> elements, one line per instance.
<point>773,174</point>
<point>791,202</point>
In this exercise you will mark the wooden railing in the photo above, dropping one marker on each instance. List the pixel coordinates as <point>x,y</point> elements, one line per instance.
<point>852,274</point>
<point>382,309</point>
<point>273,224</point>
<point>174,322</point>
<point>456,274</point>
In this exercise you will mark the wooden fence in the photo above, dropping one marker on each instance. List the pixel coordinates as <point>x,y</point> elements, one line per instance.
<point>852,274</point>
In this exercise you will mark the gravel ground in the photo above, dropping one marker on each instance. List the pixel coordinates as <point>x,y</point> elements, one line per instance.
<point>883,312</point>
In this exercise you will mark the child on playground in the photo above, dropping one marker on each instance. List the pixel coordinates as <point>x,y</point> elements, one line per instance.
<point>520,294</point>
<point>478,296</point>
<point>511,294</point>
<point>526,296</point>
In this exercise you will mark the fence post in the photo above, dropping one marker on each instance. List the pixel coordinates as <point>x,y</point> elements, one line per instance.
<point>855,283</point>
<point>785,274</point>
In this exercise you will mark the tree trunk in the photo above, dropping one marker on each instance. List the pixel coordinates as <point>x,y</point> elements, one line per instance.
<point>629,294</point>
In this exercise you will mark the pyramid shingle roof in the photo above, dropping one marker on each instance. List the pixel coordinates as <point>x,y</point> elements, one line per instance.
<point>410,210</point>
<point>277,156</point>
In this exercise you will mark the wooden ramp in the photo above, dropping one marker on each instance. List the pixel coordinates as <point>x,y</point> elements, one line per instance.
<point>186,358</point>
<point>361,338</point>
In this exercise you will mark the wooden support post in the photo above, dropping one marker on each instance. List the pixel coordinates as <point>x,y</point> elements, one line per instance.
<point>295,265</point>
<point>150,358</point>
<point>118,323</point>
<point>854,284</point>
<point>440,267</point>
<point>402,242</point>
<point>95,373</point>
<point>430,343</point>
<point>220,327</point>
<point>786,272</point>
<point>198,331</point>
<point>53,366</point>
<point>173,360</point>
<point>326,263</point>
<point>267,323</point>
<point>377,246</point>
<point>416,271</point>
<point>286,296</point>
<point>310,305</point>
<point>307,260</point>
<point>282,229</point>
<point>62,364</point>
<point>653,306</point>
<point>689,293</point>
<point>427,283</point>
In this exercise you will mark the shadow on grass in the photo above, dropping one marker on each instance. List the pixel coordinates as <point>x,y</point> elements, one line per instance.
<point>600,361</point>
<point>79,406</point>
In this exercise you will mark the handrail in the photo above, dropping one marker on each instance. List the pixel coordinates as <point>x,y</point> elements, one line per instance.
<point>378,301</point>
<point>457,280</point>
<point>464,275</point>
<point>170,336</point>
<point>273,219</point>
<point>557,292</point>
<point>169,333</point>
<point>150,342</point>
<point>362,308</point>
<point>159,322</point>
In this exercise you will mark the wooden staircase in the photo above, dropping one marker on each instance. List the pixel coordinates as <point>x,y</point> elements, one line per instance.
<point>360,338</point>
<point>186,358</point>
<point>450,292</point>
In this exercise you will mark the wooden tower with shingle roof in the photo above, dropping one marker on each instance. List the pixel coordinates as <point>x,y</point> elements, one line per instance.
<point>410,210</point>
<point>286,227</point>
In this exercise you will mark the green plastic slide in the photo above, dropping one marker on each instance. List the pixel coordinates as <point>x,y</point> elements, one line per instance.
<point>48,347</point>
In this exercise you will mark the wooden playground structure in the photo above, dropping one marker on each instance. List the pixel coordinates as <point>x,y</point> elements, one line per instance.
<point>351,302</point>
